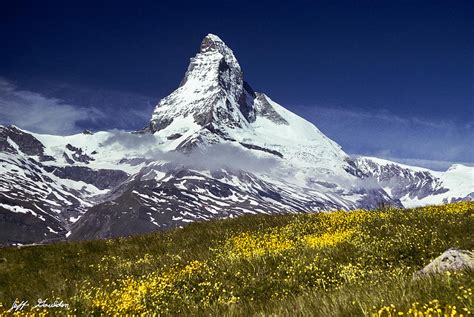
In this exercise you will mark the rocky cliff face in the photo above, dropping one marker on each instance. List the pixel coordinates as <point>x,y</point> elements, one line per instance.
<point>214,148</point>
<point>416,186</point>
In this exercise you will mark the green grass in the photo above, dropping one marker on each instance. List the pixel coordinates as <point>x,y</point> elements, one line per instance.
<point>332,264</point>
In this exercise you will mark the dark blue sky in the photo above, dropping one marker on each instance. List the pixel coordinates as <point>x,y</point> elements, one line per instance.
<point>326,60</point>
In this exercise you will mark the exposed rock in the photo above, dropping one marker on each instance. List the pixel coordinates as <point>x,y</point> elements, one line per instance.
<point>102,178</point>
<point>451,260</point>
<point>174,136</point>
<point>134,161</point>
<point>78,155</point>
<point>22,141</point>
<point>67,158</point>
<point>354,170</point>
<point>264,109</point>
<point>72,148</point>
<point>259,148</point>
<point>402,181</point>
<point>468,197</point>
<point>247,102</point>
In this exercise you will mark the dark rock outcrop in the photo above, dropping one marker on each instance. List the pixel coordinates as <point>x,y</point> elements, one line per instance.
<point>77,155</point>
<point>102,178</point>
<point>25,142</point>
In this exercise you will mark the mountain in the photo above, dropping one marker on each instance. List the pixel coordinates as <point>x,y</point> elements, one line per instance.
<point>416,186</point>
<point>214,148</point>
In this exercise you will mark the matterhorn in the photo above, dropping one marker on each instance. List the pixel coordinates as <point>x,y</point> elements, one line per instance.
<point>214,148</point>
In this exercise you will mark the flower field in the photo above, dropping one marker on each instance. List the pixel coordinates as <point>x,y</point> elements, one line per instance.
<point>358,263</point>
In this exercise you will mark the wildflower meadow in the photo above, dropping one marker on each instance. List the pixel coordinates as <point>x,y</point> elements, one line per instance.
<point>357,263</point>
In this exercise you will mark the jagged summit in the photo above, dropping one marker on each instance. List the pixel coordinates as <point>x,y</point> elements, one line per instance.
<point>213,104</point>
<point>212,42</point>
<point>212,90</point>
<point>214,58</point>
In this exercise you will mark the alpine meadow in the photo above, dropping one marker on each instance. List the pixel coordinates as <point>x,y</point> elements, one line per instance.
<point>358,263</point>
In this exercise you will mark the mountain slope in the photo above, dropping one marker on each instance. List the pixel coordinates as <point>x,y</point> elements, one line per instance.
<point>214,148</point>
<point>416,186</point>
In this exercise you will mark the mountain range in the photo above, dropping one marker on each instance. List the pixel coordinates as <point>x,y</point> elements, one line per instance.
<point>214,148</point>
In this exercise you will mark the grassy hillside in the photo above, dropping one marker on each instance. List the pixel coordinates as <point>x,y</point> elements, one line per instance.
<point>327,264</point>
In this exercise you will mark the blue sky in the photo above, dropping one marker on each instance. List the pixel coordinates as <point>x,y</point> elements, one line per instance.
<point>386,78</point>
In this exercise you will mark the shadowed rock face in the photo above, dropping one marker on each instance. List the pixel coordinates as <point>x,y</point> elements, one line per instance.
<point>24,227</point>
<point>451,260</point>
<point>102,178</point>
<point>247,103</point>
<point>266,110</point>
<point>259,148</point>
<point>77,155</point>
<point>26,143</point>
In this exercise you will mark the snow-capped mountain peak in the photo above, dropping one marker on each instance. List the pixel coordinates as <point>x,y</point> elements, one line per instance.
<point>213,104</point>
<point>213,43</point>
<point>214,148</point>
<point>212,90</point>
<point>214,61</point>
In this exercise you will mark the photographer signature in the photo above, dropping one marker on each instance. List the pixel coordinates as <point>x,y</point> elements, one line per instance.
<point>41,303</point>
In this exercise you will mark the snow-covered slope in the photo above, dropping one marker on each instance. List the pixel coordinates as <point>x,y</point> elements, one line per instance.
<point>214,148</point>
